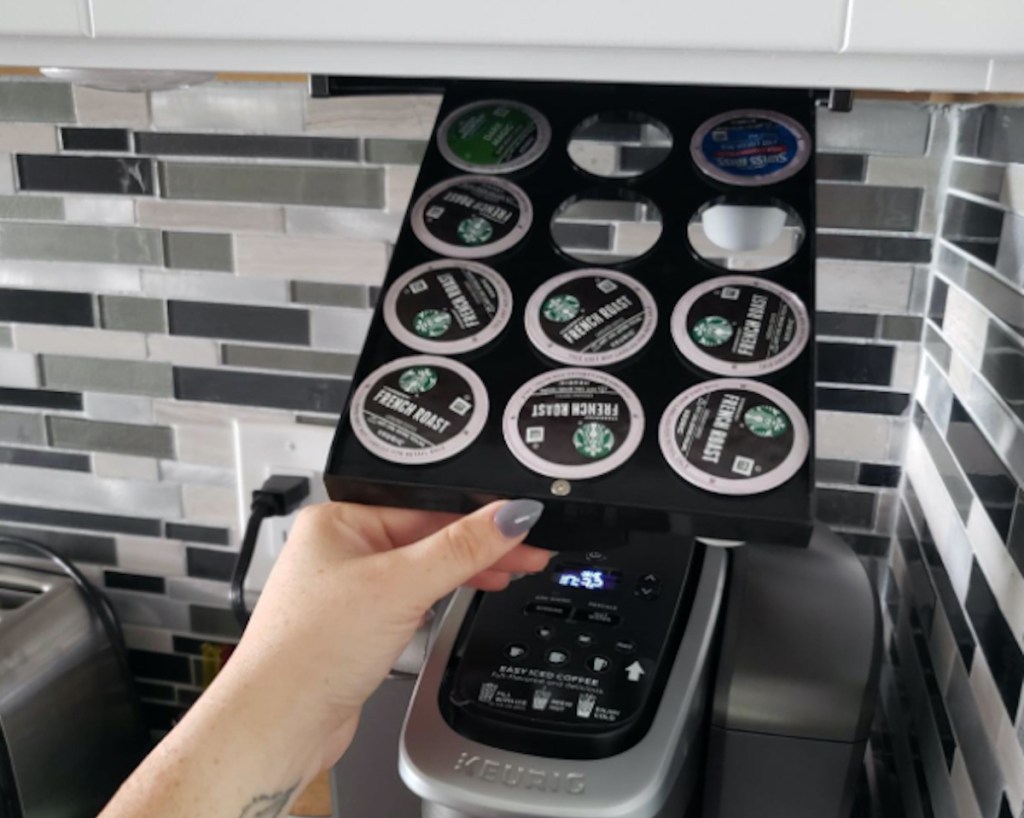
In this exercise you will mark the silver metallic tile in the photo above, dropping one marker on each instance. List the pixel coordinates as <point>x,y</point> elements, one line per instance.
<point>110,108</point>
<point>80,341</point>
<point>331,295</point>
<point>125,466</point>
<point>127,377</point>
<point>876,127</point>
<point>868,207</point>
<point>119,408</point>
<point>338,328</point>
<point>150,610</point>
<point>335,260</point>
<point>5,336</point>
<point>63,276</point>
<point>396,116</point>
<point>125,312</point>
<point>235,218</point>
<point>238,107</point>
<point>214,621</point>
<point>25,137</point>
<point>118,438</point>
<point>198,251</point>
<point>181,351</point>
<point>350,222</point>
<point>288,360</point>
<point>395,151</point>
<point>7,175</point>
<point>52,242</point>
<point>198,286</point>
<point>35,101</point>
<point>981,180</point>
<point>32,208</point>
<point>850,286</point>
<point>22,427</point>
<point>277,184</point>
<point>99,210</point>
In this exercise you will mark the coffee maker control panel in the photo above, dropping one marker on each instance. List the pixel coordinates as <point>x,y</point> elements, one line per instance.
<point>571,662</point>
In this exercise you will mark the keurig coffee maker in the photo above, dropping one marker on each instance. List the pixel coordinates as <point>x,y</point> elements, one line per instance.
<point>600,299</point>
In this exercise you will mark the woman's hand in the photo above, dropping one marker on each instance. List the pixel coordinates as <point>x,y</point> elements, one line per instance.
<point>345,597</point>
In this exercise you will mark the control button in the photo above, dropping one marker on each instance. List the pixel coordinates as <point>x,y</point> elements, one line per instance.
<point>556,657</point>
<point>584,640</point>
<point>548,609</point>
<point>598,617</point>
<point>545,631</point>
<point>626,646</point>
<point>515,651</point>
<point>634,672</point>
<point>648,587</point>
<point>598,664</point>
<point>596,556</point>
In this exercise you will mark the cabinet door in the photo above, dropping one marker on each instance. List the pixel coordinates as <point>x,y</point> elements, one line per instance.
<point>984,28</point>
<point>788,25</point>
<point>67,18</point>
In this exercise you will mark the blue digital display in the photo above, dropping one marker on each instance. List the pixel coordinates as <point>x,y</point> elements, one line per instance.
<point>590,579</point>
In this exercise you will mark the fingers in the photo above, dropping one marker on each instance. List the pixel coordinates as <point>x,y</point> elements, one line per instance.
<point>524,559</point>
<point>440,563</point>
<point>490,581</point>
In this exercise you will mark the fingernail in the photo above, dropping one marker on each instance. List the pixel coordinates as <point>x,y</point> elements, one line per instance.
<point>517,517</point>
<point>516,575</point>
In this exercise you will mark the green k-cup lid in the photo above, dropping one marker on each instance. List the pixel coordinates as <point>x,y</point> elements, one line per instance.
<point>493,136</point>
<point>733,436</point>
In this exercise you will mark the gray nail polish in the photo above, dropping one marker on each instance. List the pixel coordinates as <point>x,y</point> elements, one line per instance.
<point>517,517</point>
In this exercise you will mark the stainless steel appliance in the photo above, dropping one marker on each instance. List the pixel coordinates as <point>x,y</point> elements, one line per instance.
<point>69,731</point>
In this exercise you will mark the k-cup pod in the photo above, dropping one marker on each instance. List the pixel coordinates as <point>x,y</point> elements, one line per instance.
<point>591,317</point>
<point>750,147</point>
<point>448,307</point>
<point>493,136</point>
<point>418,410</point>
<point>573,423</point>
<point>735,437</point>
<point>472,216</point>
<point>740,326</point>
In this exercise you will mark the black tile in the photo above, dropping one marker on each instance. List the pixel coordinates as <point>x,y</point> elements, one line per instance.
<point>868,402</point>
<point>846,508</point>
<point>44,458</point>
<point>902,327</point>
<point>373,294</point>
<point>869,207</point>
<point>44,307</point>
<point>993,484</point>
<point>840,167</point>
<point>204,563</point>
<point>996,640</point>
<point>943,725</point>
<point>134,582</point>
<point>835,471</point>
<point>1015,541</point>
<point>999,134</point>
<point>874,248</point>
<point>95,139</point>
<point>86,174</point>
<point>855,363</point>
<point>273,324</point>
<point>41,398</point>
<point>968,141</point>
<point>73,546</point>
<point>257,389</point>
<point>199,533</point>
<point>153,690</point>
<point>877,474</point>
<point>1004,808</point>
<point>163,666</point>
<point>214,621</point>
<point>970,221</point>
<point>848,324</point>
<point>937,305</point>
<point>161,717</point>
<point>192,646</point>
<point>80,519</point>
<point>952,478</point>
<point>866,545</point>
<point>271,147</point>
<point>1003,366</point>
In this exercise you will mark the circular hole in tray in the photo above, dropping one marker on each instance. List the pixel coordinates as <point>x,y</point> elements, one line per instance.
<point>603,228</point>
<point>619,144</point>
<point>745,236</point>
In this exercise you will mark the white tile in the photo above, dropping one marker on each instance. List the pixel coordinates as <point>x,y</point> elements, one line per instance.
<point>27,137</point>
<point>181,351</point>
<point>210,505</point>
<point>854,286</point>
<point>963,792</point>
<point>339,328</point>
<point>149,610</point>
<point>964,325</point>
<point>211,445</point>
<point>998,567</point>
<point>137,637</point>
<point>175,471</point>
<point>111,108</point>
<point>95,278</point>
<point>256,108</point>
<point>356,223</point>
<point>6,173</point>
<point>215,287</point>
<point>1010,755</point>
<point>399,182</point>
<point>236,218</point>
<point>906,366</point>
<point>1012,194</point>
<point>150,555</point>
<point>309,258</point>
<point>75,490</point>
<point>121,408</point>
<point>124,466</point>
<point>82,341</point>
<point>407,117</point>
<point>18,369</point>
<point>199,591</point>
<point>986,696</point>
<point>99,210</point>
<point>852,436</point>
<point>173,412</point>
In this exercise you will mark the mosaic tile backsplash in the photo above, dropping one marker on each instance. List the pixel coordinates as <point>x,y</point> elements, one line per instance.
<point>175,263</point>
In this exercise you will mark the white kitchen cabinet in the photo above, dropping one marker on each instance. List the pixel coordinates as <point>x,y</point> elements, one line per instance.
<point>965,27</point>
<point>62,18</point>
<point>742,25</point>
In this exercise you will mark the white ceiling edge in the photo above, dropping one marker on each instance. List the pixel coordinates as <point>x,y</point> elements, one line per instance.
<point>940,73</point>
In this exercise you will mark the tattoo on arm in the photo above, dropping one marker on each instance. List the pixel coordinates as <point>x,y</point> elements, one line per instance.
<point>269,806</point>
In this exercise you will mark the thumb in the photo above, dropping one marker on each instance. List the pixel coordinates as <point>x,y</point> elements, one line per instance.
<point>450,557</point>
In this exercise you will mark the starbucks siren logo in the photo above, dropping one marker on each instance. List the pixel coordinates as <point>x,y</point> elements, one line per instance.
<point>593,440</point>
<point>475,230</point>
<point>417,380</point>
<point>432,323</point>
<point>766,421</point>
<point>711,331</point>
<point>561,308</point>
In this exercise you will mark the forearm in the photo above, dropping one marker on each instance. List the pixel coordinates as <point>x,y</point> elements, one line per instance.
<point>238,753</point>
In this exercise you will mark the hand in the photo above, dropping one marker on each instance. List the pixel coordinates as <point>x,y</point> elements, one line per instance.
<point>349,591</point>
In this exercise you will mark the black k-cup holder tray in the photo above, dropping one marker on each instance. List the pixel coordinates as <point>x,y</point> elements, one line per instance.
<point>644,493</point>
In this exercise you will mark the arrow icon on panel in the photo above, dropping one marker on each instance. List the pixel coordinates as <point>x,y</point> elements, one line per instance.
<point>634,672</point>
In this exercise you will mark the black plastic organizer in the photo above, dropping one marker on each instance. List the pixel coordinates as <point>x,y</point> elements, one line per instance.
<point>644,493</point>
